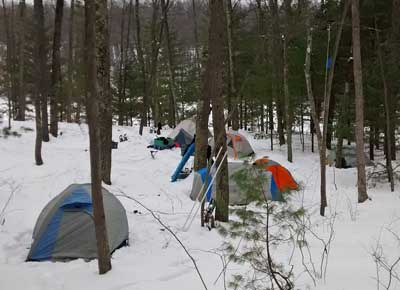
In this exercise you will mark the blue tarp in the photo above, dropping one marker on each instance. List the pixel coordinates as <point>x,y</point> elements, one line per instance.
<point>203,173</point>
<point>181,164</point>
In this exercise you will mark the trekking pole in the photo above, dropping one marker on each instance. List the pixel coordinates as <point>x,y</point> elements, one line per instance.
<point>205,192</point>
<point>199,194</point>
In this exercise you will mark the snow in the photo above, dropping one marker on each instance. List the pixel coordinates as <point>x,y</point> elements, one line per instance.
<point>154,260</point>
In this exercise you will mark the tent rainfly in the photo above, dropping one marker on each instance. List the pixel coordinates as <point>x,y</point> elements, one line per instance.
<point>65,227</point>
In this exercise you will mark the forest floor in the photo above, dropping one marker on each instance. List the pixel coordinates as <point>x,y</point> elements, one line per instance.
<point>154,260</point>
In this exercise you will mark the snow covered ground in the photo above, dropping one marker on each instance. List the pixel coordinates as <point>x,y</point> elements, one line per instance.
<point>154,260</point>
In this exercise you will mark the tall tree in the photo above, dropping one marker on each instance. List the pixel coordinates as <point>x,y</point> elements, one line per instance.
<point>21,58</point>
<point>165,5</point>
<point>55,89</point>
<point>359,99</point>
<point>314,115</point>
<point>39,61</point>
<point>276,64</point>
<point>94,14</point>
<point>214,88</point>
<point>286,93</point>
<point>41,38</point>
<point>232,98</point>
<point>70,92</point>
<point>121,91</point>
<point>388,123</point>
<point>127,57</point>
<point>395,71</point>
<point>139,48</point>
<point>104,95</point>
<point>156,31</point>
<point>9,74</point>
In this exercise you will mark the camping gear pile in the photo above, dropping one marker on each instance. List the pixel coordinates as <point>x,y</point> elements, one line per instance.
<point>123,138</point>
<point>161,143</point>
<point>65,227</point>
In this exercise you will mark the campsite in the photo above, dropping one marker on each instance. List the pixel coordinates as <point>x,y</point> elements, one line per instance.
<point>202,145</point>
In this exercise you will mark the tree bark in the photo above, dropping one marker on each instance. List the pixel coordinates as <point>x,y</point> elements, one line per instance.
<point>214,87</point>
<point>314,116</point>
<point>9,74</point>
<point>70,91</point>
<point>232,95</point>
<point>388,124</point>
<point>165,5</point>
<point>127,60</point>
<point>104,95</point>
<point>157,28</point>
<point>121,93</point>
<point>286,93</point>
<point>276,65</point>
<point>359,102</point>
<point>21,58</point>
<point>341,123</point>
<point>139,48</point>
<point>14,63</point>
<point>39,73</point>
<point>94,15</point>
<point>55,90</point>
<point>42,92</point>
<point>395,60</point>
<point>196,35</point>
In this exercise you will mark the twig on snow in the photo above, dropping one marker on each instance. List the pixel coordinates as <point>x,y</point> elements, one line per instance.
<point>170,231</point>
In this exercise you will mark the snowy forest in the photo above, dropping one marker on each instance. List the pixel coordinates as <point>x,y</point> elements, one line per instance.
<point>193,144</point>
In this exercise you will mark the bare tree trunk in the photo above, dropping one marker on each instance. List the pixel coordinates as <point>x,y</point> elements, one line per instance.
<point>14,63</point>
<point>271,123</point>
<point>341,123</point>
<point>171,67</point>
<point>232,95</point>
<point>214,85</point>
<point>104,95</point>
<point>262,117</point>
<point>359,100</point>
<point>42,91</point>
<point>288,108</point>
<point>9,74</point>
<point>314,116</point>
<point>139,48</point>
<point>70,92</point>
<point>39,73</point>
<point>121,93</point>
<point>156,27</point>
<point>94,14</point>
<point>21,58</point>
<point>371,142</point>
<point>276,64</point>
<point>196,35</point>
<point>387,110</point>
<point>288,105</point>
<point>395,60</point>
<point>55,90</point>
<point>127,61</point>
<point>329,77</point>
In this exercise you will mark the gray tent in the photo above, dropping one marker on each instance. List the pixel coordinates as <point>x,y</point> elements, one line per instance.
<point>236,197</point>
<point>349,156</point>
<point>184,132</point>
<point>237,145</point>
<point>65,227</point>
